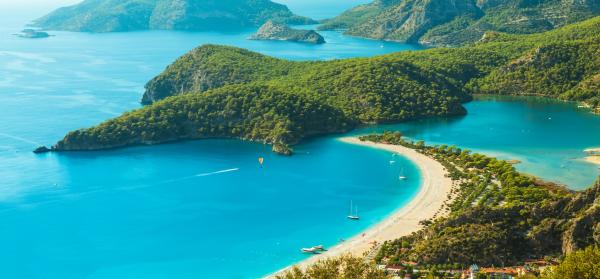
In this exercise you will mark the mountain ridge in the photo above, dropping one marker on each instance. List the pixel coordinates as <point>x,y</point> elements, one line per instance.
<point>459,22</point>
<point>99,16</point>
<point>226,92</point>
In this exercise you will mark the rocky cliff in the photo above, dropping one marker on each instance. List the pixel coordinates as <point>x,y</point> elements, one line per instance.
<point>459,22</point>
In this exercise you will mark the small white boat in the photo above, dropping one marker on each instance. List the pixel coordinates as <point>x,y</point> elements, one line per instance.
<point>313,250</point>
<point>402,176</point>
<point>392,162</point>
<point>352,216</point>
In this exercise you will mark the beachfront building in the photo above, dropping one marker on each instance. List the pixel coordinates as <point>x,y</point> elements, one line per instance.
<point>471,273</point>
<point>539,266</point>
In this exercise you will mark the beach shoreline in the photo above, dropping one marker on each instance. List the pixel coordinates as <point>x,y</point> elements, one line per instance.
<point>433,192</point>
<point>593,155</point>
<point>595,159</point>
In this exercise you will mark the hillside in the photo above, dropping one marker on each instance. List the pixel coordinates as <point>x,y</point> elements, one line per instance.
<point>455,23</point>
<point>497,216</point>
<point>357,14</point>
<point>131,15</point>
<point>217,91</point>
<point>505,223</point>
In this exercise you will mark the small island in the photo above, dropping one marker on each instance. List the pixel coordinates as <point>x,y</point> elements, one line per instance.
<point>281,32</point>
<point>32,34</point>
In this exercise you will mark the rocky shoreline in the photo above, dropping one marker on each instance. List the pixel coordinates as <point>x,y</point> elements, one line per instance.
<point>281,32</point>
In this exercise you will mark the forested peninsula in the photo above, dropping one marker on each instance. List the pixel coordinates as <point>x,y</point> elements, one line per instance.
<point>190,15</point>
<point>496,215</point>
<point>226,92</point>
<point>455,23</point>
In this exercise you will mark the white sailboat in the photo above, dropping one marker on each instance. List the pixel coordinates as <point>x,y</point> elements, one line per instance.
<point>353,216</point>
<point>402,176</point>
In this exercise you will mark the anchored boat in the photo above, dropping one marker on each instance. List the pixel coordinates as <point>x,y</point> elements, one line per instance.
<point>353,216</point>
<point>313,250</point>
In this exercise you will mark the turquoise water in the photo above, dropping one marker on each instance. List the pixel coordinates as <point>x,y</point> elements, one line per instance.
<point>321,9</point>
<point>205,209</point>
<point>201,209</point>
<point>548,136</point>
<point>187,210</point>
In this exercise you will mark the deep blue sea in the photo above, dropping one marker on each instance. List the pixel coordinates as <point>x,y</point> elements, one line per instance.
<point>205,209</point>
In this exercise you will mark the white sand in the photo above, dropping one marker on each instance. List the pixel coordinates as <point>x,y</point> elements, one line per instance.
<point>593,159</point>
<point>435,187</point>
<point>593,155</point>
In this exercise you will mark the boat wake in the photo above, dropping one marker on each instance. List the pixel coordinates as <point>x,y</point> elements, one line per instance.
<point>216,172</point>
<point>57,194</point>
<point>198,175</point>
<point>17,138</point>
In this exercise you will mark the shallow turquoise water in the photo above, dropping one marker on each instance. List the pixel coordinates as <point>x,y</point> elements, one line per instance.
<point>186,210</point>
<point>205,209</point>
<point>548,136</point>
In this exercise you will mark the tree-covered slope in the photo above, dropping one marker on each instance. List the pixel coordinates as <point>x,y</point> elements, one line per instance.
<point>567,70</point>
<point>496,216</point>
<point>356,15</point>
<point>212,66</point>
<point>278,110</point>
<point>261,112</point>
<point>477,67</point>
<point>128,15</point>
<point>199,95</point>
<point>453,23</point>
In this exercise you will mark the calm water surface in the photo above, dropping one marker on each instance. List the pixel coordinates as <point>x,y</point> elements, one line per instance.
<point>205,209</point>
<point>189,210</point>
<point>547,136</point>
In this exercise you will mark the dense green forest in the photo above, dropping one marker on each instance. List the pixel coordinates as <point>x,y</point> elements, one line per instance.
<point>345,266</point>
<point>495,215</point>
<point>217,91</point>
<point>455,23</point>
<point>581,264</point>
<point>564,62</point>
<point>197,15</point>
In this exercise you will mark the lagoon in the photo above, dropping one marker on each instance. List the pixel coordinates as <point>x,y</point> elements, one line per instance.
<point>547,136</point>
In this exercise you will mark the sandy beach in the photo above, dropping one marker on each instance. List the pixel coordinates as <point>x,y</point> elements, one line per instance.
<point>595,159</point>
<point>593,155</point>
<point>435,187</point>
